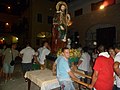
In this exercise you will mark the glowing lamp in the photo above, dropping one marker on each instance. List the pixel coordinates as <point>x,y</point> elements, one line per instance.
<point>9,7</point>
<point>6,24</point>
<point>102,7</point>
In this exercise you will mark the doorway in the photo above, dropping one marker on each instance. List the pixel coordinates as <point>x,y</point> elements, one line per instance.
<point>106,36</point>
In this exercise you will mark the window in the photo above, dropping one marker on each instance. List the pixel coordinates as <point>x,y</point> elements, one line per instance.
<point>96,6</point>
<point>78,12</point>
<point>39,17</point>
<point>50,19</point>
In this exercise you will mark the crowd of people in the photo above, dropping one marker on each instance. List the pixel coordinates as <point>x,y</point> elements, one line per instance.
<point>106,69</point>
<point>102,62</point>
<point>104,66</point>
<point>28,55</point>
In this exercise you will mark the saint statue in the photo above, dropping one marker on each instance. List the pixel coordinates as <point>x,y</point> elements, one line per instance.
<point>61,21</point>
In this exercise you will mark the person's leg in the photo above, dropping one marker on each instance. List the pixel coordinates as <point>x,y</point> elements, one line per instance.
<point>114,87</point>
<point>5,70</point>
<point>1,65</point>
<point>23,68</point>
<point>29,66</point>
<point>66,85</point>
<point>79,85</point>
<point>117,88</point>
<point>86,73</point>
<point>85,79</point>
<point>72,86</point>
<point>11,69</point>
<point>26,67</point>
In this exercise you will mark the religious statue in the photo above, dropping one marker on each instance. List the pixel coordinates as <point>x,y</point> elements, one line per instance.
<point>61,21</point>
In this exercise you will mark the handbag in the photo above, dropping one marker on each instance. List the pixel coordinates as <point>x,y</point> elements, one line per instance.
<point>12,63</point>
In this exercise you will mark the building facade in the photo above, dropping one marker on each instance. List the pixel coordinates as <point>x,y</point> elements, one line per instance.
<point>88,19</point>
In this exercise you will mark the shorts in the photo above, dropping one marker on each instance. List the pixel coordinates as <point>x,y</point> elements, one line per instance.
<point>26,67</point>
<point>7,68</point>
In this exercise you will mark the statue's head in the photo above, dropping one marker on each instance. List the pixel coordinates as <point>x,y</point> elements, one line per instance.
<point>61,6</point>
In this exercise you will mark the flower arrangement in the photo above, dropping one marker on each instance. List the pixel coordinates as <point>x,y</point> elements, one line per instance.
<point>74,56</point>
<point>73,53</point>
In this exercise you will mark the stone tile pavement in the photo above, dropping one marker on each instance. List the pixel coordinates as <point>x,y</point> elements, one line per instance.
<point>18,82</point>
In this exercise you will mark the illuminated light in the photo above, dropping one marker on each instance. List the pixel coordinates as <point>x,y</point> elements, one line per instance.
<point>109,2</point>
<point>95,43</point>
<point>102,7</point>
<point>9,7</point>
<point>3,38</point>
<point>43,36</point>
<point>78,36</point>
<point>16,38</point>
<point>6,24</point>
<point>76,42</point>
<point>105,3</point>
<point>1,41</point>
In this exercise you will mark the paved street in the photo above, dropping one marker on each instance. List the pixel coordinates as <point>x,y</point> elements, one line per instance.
<point>18,82</point>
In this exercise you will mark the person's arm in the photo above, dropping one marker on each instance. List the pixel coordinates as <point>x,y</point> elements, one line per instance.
<point>72,75</point>
<point>20,55</point>
<point>38,53</point>
<point>3,56</point>
<point>35,59</point>
<point>116,68</point>
<point>54,68</point>
<point>49,47</point>
<point>79,62</point>
<point>94,79</point>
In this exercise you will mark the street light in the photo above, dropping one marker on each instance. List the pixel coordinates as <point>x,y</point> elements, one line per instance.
<point>6,24</point>
<point>3,39</point>
<point>16,39</point>
<point>102,7</point>
<point>105,4</point>
<point>9,7</point>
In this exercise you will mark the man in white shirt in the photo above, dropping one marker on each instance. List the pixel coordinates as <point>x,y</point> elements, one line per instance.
<point>27,55</point>
<point>117,66</point>
<point>43,51</point>
<point>84,62</point>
